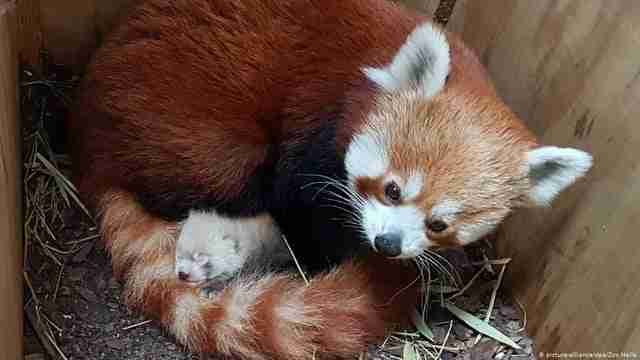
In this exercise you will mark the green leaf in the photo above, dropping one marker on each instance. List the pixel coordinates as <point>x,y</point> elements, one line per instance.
<point>480,326</point>
<point>421,326</point>
<point>408,353</point>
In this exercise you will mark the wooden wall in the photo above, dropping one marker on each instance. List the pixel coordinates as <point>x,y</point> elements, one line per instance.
<point>571,70</point>
<point>10,193</point>
<point>68,29</point>
<point>426,6</point>
<point>70,39</point>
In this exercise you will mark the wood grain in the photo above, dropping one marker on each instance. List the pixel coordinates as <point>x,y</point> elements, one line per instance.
<point>10,192</point>
<point>69,30</point>
<point>571,70</point>
<point>29,39</point>
<point>426,6</point>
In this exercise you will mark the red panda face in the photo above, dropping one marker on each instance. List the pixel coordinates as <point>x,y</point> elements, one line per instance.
<point>433,172</point>
<point>443,165</point>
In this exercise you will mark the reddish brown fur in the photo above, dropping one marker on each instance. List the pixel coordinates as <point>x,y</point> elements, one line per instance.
<point>132,138</point>
<point>350,307</point>
<point>233,132</point>
<point>127,135</point>
<point>465,130</point>
<point>371,187</point>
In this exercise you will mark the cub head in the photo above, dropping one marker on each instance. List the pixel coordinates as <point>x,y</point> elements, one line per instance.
<point>438,159</point>
<point>207,248</point>
<point>193,261</point>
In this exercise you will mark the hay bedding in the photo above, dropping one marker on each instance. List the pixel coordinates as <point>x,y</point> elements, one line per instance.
<point>73,304</point>
<point>73,307</point>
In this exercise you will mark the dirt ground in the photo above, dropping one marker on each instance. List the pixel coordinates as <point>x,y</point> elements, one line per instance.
<point>87,307</point>
<point>94,320</point>
<point>94,324</point>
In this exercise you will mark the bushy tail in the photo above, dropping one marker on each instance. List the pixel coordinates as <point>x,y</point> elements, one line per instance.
<point>263,316</point>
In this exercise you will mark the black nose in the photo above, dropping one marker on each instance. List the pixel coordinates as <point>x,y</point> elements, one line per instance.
<point>389,244</point>
<point>183,276</point>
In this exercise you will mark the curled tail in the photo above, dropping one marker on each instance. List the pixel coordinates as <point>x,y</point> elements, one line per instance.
<point>263,316</point>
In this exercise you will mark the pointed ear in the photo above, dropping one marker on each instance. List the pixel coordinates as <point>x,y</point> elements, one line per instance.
<point>552,169</point>
<point>422,62</point>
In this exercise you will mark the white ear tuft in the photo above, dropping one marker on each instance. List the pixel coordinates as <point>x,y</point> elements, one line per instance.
<point>552,169</point>
<point>423,62</point>
<point>381,77</point>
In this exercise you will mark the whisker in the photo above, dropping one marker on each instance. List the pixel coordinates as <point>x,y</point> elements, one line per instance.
<point>350,212</point>
<point>447,270</point>
<point>339,185</point>
<point>447,266</point>
<point>435,264</point>
<point>345,203</point>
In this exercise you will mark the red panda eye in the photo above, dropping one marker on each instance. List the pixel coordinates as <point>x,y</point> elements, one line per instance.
<point>437,226</point>
<point>392,192</point>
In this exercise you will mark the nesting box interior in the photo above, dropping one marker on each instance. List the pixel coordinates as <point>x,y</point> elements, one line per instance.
<point>10,198</point>
<point>570,69</point>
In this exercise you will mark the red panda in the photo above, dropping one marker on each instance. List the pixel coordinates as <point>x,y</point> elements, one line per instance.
<point>211,248</point>
<point>307,110</point>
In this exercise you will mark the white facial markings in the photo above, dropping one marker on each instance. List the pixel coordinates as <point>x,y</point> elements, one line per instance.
<point>378,219</point>
<point>366,156</point>
<point>413,186</point>
<point>468,233</point>
<point>446,210</point>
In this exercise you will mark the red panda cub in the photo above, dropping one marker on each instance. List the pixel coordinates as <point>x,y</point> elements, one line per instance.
<point>352,122</point>
<point>212,249</point>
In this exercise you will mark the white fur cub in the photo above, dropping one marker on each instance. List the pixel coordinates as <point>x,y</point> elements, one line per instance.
<point>212,248</point>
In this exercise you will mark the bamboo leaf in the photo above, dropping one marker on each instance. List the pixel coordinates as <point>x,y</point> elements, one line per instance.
<point>480,326</point>
<point>408,353</point>
<point>421,325</point>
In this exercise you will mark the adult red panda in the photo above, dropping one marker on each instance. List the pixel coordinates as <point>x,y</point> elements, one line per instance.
<point>248,106</point>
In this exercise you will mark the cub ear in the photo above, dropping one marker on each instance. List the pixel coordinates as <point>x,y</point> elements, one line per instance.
<point>422,62</point>
<point>552,169</point>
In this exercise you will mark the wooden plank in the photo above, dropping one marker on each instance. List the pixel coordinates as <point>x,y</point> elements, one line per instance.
<point>571,70</point>
<point>29,31</point>
<point>456,22</point>
<point>426,6</point>
<point>10,192</point>
<point>107,13</point>
<point>68,27</point>
<point>69,30</point>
